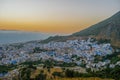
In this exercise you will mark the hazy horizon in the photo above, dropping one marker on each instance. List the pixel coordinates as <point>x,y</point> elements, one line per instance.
<point>54,16</point>
<point>10,36</point>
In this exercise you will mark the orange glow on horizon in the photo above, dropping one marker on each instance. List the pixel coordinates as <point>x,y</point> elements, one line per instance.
<point>47,26</point>
<point>54,16</point>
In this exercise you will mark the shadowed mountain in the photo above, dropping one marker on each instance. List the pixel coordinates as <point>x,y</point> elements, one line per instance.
<point>107,29</point>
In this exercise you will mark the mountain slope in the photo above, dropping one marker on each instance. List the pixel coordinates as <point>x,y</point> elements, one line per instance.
<point>97,28</point>
<point>107,29</point>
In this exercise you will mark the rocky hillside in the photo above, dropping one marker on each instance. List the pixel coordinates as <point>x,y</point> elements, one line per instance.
<point>107,29</point>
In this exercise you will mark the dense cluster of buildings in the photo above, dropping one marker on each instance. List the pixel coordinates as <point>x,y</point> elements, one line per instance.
<point>75,51</point>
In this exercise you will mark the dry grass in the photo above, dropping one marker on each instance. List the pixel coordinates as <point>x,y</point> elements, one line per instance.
<point>81,79</point>
<point>58,69</point>
<point>49,74</point>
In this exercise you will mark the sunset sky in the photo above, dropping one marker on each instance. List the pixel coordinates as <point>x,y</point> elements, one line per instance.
<point>54,16</point>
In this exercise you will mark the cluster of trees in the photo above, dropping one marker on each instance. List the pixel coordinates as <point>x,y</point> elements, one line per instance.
<point>38,50</point>
<point>6,68</point>
<point>113,57</point>
<point>113,73</point>
<point>100,41</point>
<point>41,76</point>
<point>108,73</point>
<point>64,64</point>
<point>50,63</point>
<point>72,74</point>
<point>25,73</point>
<point>3,69</point>
<point>58,74</point>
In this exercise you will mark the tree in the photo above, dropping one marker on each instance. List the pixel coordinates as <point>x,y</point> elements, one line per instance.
<point>25,73</point>
<point>69,73</point>
<point>59,74</point>
<point>41,76</point>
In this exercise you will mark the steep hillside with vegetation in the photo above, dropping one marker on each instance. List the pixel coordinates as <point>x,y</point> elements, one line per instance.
<point>107,29</point>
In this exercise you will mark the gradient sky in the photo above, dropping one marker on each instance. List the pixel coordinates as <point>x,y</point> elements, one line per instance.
<point>54,16</point>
